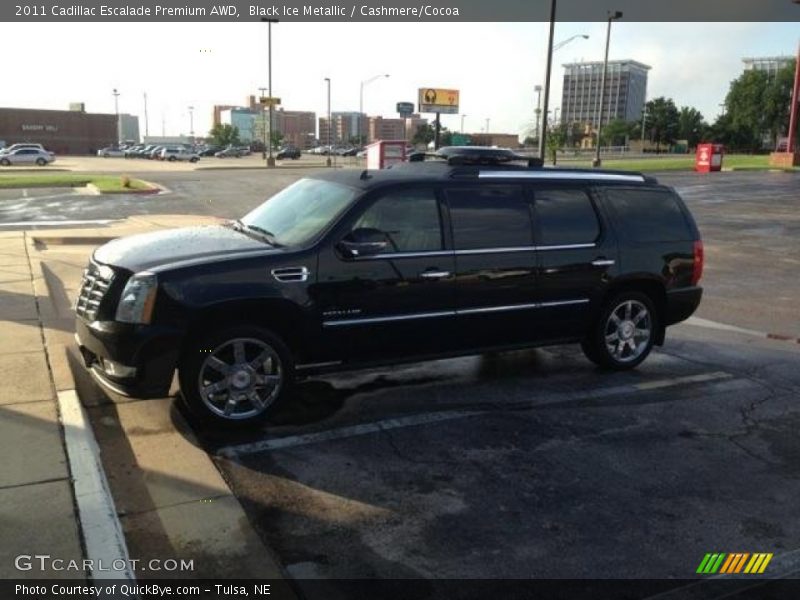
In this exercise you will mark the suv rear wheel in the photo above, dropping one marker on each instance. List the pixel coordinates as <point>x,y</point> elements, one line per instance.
<point>624,333</point>
<point>236,376</point>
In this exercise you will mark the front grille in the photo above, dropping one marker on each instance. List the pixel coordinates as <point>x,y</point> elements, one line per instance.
<point>96,281</point>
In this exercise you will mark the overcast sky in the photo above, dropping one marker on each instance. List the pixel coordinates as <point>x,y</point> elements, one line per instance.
<point>494,65</point>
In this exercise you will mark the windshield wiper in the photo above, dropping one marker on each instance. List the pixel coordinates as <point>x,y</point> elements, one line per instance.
<point>239,225</point>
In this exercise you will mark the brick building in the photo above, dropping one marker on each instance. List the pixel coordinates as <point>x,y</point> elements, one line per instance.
<point>60,131</point>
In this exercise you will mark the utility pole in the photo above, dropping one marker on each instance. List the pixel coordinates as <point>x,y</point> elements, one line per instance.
<point>191,123</point>
<point>330,124</point>
<point>611,17</point>
<point>263,123</point>
<point>270,158</point>
<point>543,137</point>
<point>146,130</point>
<point>115,93</point>
<point>462,122</point>
<point>538,90</point>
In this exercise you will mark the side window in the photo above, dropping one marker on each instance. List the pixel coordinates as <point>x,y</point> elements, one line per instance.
<point>495,216</point>
<point>410,218</point>
<point>649,215</point>
<point>565,217</point>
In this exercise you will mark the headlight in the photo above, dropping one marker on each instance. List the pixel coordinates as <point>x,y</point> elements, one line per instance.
<point>138,297</point>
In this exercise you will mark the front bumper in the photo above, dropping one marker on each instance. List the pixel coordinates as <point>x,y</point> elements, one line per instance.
<point>149,354</point>
<point>681,304</point>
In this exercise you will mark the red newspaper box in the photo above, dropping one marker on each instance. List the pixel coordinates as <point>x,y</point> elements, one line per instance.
<point>385,153</point>
<point>708,158</point>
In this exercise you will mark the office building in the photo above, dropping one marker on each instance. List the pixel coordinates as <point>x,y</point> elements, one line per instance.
<point>244,120</point>
<point>625,91</point>
<point>60,131</point>
<point>769,64</point>
<point>128,128</point>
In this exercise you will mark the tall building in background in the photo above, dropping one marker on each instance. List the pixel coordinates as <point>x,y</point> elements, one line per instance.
<point>128,128</point>
<point>381,128</point>
<point>243,119</point>
<point>769,64</point>
<point>298,127</point>
<point>625,93</point>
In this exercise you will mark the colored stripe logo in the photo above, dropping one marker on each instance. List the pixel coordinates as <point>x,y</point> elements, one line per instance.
<point>732,563</point>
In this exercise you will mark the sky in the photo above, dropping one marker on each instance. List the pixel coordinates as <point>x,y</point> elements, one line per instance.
<point>494,65</point>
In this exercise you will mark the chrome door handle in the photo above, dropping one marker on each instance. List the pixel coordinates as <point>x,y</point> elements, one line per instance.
<point>435,274</point>
<point>602,262</point>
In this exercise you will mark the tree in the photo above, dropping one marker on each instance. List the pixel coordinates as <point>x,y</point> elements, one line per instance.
<point>691,125</point>
<point>225,135</point>
<point>616,133</point>
<point>777,101</point>
<point>276,138</point>
<point>556,138</point>
<point>662,121</point>
<point>424,134</point>
<point>744,108</point>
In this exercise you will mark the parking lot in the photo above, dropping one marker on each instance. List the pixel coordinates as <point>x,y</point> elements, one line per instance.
<point>526,464</point>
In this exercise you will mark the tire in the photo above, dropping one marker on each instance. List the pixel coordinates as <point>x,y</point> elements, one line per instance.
<point>171,159</point>
<point>194,160</point>
<point>624,333</point>
<point>219,375</point>
<point>5,162</point>
<point>41,162</point>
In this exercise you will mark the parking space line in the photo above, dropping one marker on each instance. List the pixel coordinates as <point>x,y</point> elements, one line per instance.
<point>350,431</point>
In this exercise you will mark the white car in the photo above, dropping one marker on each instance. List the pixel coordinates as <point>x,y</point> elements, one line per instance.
<point>27,156</point>
<point>173,154</point>
<point>111,152</point>
<point>13,147</point>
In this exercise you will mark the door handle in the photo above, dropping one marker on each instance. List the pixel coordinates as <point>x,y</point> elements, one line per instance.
<point>602,262</point>
<point>435,274</point>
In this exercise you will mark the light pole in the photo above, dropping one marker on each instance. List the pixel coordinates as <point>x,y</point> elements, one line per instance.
<point>263,124</point>
<point>269,22</point>
<point>563,43</point>
<point>146,129</point>
<point>361,102</point>
<point>115,93</point>
<point>538,90</point>
<point>462,122</point>
<point>487,125</point>
<point>612,16</point>
<point>543,136</point>
<point>191,123</point>
<point>330,123</point>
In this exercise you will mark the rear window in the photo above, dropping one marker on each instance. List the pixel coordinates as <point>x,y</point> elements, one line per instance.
<point>649,215</point>
<point>565,217</point>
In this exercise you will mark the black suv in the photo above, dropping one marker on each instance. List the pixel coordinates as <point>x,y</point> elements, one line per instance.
<point>428,259</point>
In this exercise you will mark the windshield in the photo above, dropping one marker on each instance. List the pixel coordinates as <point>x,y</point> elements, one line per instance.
<point>300,212</point>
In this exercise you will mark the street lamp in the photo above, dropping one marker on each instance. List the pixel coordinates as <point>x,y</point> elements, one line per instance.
<point>361,101</point>
<point>552,48</point>
<point>462,122</point>
<point>191,123</point>
<point>330,123</point>
<point>612,16</point>
<point>269,22</point>
<point>263,123</point>
<point>115,93</point>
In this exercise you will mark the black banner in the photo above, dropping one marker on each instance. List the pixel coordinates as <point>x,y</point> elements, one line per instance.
<point>406,589</point>
<point>397,10</point>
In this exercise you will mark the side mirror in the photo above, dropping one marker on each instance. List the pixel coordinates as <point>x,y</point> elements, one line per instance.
<point>364,241</point>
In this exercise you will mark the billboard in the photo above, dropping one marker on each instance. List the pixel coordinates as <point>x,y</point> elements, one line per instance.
<point>438,100</point>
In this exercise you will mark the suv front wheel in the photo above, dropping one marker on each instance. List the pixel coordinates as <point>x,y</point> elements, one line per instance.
<point>623,335</point>
<point>236,376</point>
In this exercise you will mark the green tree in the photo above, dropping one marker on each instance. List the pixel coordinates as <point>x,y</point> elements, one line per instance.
<point>276,138</point>
<point>662,121</point>
<point>556,138</point>
<point>225,135</point>
<point>691,125</point>
<point>746,120</point>
<point>424,134</point>
<point>616,133</point>
<point>777,102</point>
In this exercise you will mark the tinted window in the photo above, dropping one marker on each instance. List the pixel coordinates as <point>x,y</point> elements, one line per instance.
<point>649,215</point>
<point>489,217</point>
<point>409,217</point>
<point>565,217</point>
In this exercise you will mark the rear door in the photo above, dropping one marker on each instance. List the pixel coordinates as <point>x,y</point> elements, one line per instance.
<point>577,256</point>
<point>495,263</point>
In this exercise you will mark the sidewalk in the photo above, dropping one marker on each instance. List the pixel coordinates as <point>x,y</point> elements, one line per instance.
<point>170,501</point>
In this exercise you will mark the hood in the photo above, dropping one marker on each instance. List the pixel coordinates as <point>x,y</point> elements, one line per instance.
<point>162,248</point>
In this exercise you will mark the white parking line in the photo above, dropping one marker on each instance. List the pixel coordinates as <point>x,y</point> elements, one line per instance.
<point>449,415</point>
<point>102,531</point>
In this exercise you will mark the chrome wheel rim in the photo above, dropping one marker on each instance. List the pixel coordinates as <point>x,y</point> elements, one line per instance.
<point>627,331</point>
<point>240,378</point>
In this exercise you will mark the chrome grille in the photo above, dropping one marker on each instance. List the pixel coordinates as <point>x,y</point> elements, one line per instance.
<point>96,281</point>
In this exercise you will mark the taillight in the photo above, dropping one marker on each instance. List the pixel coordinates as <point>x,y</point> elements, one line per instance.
<point>699,259</point>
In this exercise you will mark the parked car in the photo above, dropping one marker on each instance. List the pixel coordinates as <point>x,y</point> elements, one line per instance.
<point>230,151</point>
<point>208,150</point>
<point>13,147</point>
<point>288,152</point>
<point>27,156</point>
<point>349,151</point>
<point>173,154</point>
<point>155,153</point>
<point>111,152</point>
<point>350,268</point>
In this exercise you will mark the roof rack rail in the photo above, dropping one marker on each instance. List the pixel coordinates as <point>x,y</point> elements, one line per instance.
<point>475,155</point>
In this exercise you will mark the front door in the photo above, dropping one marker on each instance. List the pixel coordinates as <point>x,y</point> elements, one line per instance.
<point>400,301</point>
